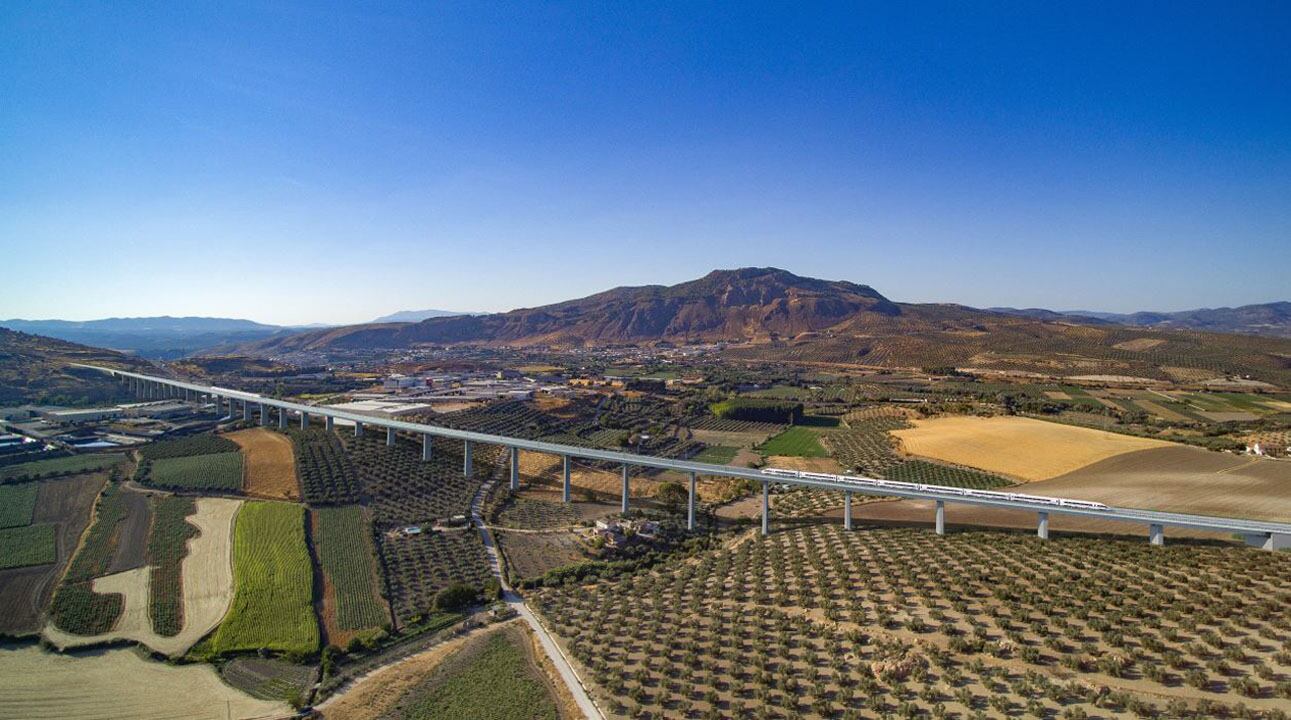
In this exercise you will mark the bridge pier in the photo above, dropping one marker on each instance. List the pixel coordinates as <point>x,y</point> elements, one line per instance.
<point>282,418</point>
<point>329,423</point>
<point>358,429</point>
<point>264,414</point>
<point>467,466</point>
<point>188,395</point>
<point>1156,534</point>
<point>1042,528</point>
<point>1268,541</point>
<point>690,505</point>
<point>246,411</point>
<point>564,488</point>
<point>515,468</point>
<point>847,509</point>
<point>624,508</point>
<point>390,437</point>
<point>941,517</point>
<point>766,508</point>
<point>427,446</point>
<point>304,420</point>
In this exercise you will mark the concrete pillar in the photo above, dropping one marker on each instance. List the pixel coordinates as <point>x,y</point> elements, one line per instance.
<point>304,420</point>
<point>329,423</point>
<point>624,508</point>
<point>264,414</point>
<point>690,505</point>
<point>1156,534</point>
<point>1042,528</point>
<point>847,509</point>
<point>390,437</point>
<point>515,468</point>
<point>467,469</point>
<point>766,508</point>
<point>427,445</point>
<point>188,395</point>
<point>358,429</point>
<point>282,418</point>
<point>564,488</point>
<point>941,517</point>
<point>246,410</point>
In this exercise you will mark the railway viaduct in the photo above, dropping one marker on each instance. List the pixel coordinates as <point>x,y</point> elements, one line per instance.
<point>1267,535</point>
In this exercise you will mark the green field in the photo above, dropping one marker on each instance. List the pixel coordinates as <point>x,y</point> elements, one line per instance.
<point>794,441</point>
<point>717,454</point>
<point>500,664</point>
<point>188,447</point>
<point>16,504</point>
<point>273,583</point>
<point>59,466</point>
<point>167,546</point>
<point>222,471</point>
<point>30,545</point>
<point>344,547</point>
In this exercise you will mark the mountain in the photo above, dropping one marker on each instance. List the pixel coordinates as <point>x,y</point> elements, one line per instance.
<point>34,369</point>
<point>766,314</point>
<point>154,337</point>
<point>404,316</point>
<point>1271,319</point>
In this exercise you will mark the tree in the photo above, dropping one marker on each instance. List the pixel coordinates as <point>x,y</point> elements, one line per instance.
<point>672,495</point>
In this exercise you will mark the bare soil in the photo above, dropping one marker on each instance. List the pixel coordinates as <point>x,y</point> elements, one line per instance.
<point>132,532</point>
<point>25,592</point>
<point>1017,447</point>
<point>269,470</point>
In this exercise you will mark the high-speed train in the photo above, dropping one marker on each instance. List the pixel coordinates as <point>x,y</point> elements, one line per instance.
<point>943,489</point>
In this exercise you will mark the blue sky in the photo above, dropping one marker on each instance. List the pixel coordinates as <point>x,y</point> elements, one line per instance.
<point>294,163</point>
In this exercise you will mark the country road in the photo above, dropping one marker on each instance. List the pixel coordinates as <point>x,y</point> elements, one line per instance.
<point>513,599</point>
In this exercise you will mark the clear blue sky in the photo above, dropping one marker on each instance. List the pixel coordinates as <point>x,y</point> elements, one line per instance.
<point>292,163</point>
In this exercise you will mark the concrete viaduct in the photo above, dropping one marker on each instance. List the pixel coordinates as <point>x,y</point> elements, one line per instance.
<point>1268,535</point>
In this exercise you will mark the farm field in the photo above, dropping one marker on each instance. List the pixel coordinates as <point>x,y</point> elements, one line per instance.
<point>220,471</point>
<point>269,464</point>
<point>17,502</point>
<point>1017,447</point>
<point>528,512</point>
<point>65,503</point>
<point>717,454</point>
<point>1182,479</point>
<point>118,685</point>
<point>27,545</point>
<point>406,489</point>
<point>501,660</point>
<point>269,679</point>
<point>188,447</point>
<point>816,621</point>
<point>796,441</point>
<point>373,695</point>
<point>207,587</point>
<point>530,555</point>
<point>418,566</point>
<point>324,470</point>
<point>342,538</point>
<point>55,467</point>
<point>273,583</point>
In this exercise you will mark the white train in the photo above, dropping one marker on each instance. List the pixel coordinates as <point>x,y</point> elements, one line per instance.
<point>942,489</point>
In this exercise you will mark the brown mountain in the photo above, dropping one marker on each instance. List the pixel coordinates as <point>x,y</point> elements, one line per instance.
<point>35,369</point>
<point>771,314</point>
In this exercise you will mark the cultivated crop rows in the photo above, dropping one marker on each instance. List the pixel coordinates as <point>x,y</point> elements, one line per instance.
<point>343,541</point>
<point>405,489</point>
<point>728,425</point>
<point>822,622</point>
<point>921,471</point>
<point>513,419</point>
<point>418,566</point>
<point>167,546</point>
<point>57,467</point>
<point>188,447</point>
<point>218,471</point>
<point>516,511</point>
<point>326,475</point>
<point>77,608</point>
<point>865,445</point>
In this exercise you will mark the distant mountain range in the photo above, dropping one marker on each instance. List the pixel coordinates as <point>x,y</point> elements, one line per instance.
<point>160,338</point>
<point>1272,319</point>
<point>767,314</point>
<point>404,316</point>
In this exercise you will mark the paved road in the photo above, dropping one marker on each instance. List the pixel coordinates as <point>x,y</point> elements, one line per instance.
<point>513,599</point>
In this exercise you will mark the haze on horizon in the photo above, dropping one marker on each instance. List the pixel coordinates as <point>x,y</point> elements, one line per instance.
<point>295,164</point>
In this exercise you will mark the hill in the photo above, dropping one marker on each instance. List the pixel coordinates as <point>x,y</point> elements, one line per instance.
<point>771,314</point>
<point>1271,319</point>
<point>154,337</point>
<point>34,369</point>
<point>416,315</point>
